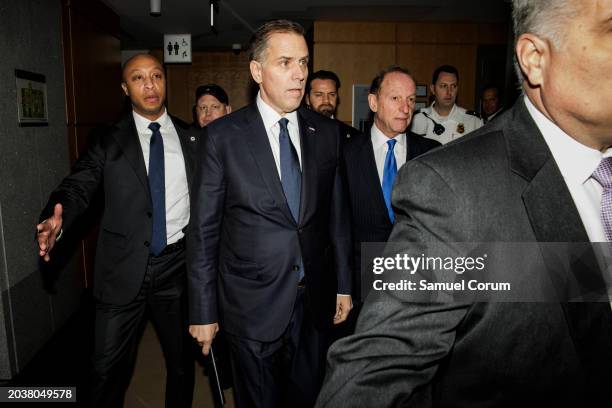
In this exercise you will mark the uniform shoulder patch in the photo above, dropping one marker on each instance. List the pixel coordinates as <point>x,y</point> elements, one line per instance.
<point>473,113</point>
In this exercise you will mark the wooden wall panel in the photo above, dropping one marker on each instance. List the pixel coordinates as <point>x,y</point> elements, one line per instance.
<point>92,63</point>
<point>356,51</point>
<point>354,64</point>
<point>229,71</point>
<point>346,31</point>
<point>451,33</point>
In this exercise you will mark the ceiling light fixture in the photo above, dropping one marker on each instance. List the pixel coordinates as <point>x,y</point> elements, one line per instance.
<point>155,8</point>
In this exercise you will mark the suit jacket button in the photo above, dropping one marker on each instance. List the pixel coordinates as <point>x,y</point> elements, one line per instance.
<point>147,243</point>
<point>149,214</point>
<point>296,267</point>
<point>300,230</point>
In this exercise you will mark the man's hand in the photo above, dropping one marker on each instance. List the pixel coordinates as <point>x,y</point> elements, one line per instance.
<point>47,232</point>
<point>344,304</point>
<point>204,334</point>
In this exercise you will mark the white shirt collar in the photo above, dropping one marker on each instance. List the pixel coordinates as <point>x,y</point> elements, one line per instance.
<point>379,138</point>
<point>576,161</point>
<point>443,118</point>
<point>271,117</point>
<point>142,123</point>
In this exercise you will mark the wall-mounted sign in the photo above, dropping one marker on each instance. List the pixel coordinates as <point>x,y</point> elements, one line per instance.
<point>421,91</point>
<point>31,98</point>
<point>177,48</point>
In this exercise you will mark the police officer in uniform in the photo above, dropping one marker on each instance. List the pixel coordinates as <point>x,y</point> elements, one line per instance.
<point>444,120</point>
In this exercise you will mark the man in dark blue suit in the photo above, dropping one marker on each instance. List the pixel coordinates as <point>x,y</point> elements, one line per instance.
<point>369,158</point>
<point>269,244</point>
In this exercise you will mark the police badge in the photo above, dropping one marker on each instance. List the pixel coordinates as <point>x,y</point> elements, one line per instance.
<point>460,128</point>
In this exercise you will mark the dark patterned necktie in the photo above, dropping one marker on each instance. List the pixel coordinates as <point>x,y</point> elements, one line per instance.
<point>291,176</point>
<point>157,184</point>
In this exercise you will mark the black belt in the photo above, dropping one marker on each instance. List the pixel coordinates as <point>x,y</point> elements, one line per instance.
<point>169,249</point>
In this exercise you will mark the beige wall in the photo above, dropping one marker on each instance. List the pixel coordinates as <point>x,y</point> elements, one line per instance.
<point>356,51</point>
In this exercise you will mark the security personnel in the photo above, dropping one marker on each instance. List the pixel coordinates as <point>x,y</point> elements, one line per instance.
<point>444,120</point>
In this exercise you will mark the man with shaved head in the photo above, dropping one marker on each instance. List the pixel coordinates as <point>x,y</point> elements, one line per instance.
<point>144,164</point>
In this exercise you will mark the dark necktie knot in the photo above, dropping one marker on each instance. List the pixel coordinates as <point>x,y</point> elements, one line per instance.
<point>603,173</point>
<point>283,124</point>
<point>154,126</point>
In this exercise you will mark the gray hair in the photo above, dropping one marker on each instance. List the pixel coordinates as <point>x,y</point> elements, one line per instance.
<point>545,18</point>
<point>259,41</point>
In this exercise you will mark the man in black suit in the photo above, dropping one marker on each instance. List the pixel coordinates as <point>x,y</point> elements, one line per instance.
<point>269,241</point>
<point>540,173</point>
<point>391,97</point>
<point>144,163</point>
<point>322,96</point>
<point>491,103</point>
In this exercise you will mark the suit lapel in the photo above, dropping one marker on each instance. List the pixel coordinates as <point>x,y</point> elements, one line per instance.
<point>555,218</point>
<point>188,142</point>
<point>548,202</point>
<point>126,137</point>
<point>309,167</point>
<point>259,146</point>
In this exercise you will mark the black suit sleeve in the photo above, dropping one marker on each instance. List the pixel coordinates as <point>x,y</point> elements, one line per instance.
<point>340,224</point>
<point>76,190</point>
<point>398,344</point>
<point>207,202</point>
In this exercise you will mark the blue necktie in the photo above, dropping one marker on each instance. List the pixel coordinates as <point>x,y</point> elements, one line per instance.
<point>389,173</point>
<point>157,184</point>
<point>291,176</point>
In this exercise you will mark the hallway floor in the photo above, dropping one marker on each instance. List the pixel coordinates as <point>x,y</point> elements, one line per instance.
<point>65,361</point>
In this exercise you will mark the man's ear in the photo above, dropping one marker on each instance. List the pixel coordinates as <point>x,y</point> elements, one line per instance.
<point>432,88</point>
<point>125,89</point>
<point>532,54</point>
<point>256,69</point>
<point>228,109</point>
<point>373,102</point>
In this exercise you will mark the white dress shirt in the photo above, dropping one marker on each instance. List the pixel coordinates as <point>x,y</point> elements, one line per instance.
<point>270,119</point>
<point>177,192</point>
<point>456,124</point>
<point>380,146</point>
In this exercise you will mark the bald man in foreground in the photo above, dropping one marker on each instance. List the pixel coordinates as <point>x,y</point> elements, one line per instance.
<point>144,164</point>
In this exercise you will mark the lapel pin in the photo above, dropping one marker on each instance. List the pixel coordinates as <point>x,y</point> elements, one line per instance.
<point>311,129</point>
<point>192,138</point>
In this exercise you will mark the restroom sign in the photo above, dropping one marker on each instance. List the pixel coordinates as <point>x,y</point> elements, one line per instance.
<point>177,48</point>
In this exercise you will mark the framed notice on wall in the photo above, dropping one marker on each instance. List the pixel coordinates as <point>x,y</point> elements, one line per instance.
<point>31,98</point>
